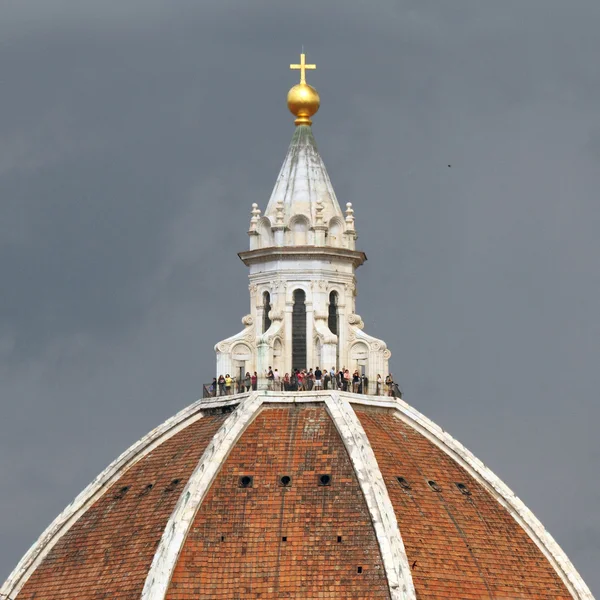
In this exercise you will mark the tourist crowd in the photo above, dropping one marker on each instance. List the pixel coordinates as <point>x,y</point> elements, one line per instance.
<point>301,380</point>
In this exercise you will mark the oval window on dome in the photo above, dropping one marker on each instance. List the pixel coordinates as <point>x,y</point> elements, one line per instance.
<point>434,486</point>
<point>147,489</point>
<point>403,483</point>
<point>121,493</point>
<point>463,489</point>
<point>174,483</point>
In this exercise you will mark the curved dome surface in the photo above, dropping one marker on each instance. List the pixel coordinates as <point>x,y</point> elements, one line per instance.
<point>296,495</point>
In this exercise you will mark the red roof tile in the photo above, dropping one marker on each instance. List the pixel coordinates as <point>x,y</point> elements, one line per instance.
<point>271,541</point>
<point>108,551</point>
<point>459,545</point>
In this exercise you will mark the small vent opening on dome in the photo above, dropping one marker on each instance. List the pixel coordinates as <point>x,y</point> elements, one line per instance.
<point>284,538</point>
<point>222,538</point>
<point>359,569</point>
<point>146,489</point>
<point>463,489</point>
<point>324,479</point>
<point>246,481</point>
<point>121,493</point>
<point>285,481</point>
<point>339,539</point>
<point>171,487</point>
<point>403,483</point>
<point>434,486</point>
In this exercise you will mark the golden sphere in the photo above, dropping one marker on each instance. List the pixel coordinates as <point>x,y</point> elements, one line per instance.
<point>303,102</point>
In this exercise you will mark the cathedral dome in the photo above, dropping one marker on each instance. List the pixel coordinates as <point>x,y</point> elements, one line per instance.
<point>311,495</point>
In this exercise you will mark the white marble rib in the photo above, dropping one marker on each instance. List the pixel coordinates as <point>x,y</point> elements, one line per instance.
<point>376,495</point>
<point>502,493</point>
<point>182,517</point>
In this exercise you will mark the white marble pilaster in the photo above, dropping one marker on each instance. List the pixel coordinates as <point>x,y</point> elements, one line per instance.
<point>380,506</point>
<point>182,517</point>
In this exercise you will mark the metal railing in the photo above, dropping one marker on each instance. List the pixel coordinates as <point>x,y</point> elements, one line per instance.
<point>237,386</point>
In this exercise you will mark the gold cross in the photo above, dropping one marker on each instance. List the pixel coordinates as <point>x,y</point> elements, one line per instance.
<point>303,66</point>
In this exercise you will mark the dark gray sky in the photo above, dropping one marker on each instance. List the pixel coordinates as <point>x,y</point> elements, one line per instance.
<point>134,136</point>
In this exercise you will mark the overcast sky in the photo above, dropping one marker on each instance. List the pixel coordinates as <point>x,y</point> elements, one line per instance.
<point>134,137</point>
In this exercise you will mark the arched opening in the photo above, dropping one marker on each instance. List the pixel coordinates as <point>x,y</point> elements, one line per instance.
<point>265,233</point>
<point>333,313</point>
<point>359,357</point>
<point>299,330</point>
<point>299,228</point>
<point>241,356</point>
<point>266,311</point>
<point>333,321</point>
<point>336,227</point>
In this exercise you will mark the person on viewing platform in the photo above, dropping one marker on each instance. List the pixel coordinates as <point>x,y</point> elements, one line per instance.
<point>389,382</point>
<point>364,385</point>
<point>300,379</point>
<point>318,379</point>
<point>355,381</point>
<point>294,381</point>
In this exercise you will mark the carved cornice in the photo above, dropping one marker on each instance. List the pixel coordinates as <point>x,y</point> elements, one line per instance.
<point>335,280</point>
<point>250,257</point>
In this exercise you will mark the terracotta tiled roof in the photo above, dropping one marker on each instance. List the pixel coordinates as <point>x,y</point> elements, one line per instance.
<point>460,544</point>
<point>177,521</point>
<point>108,552</point>
<point>270,540</point>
